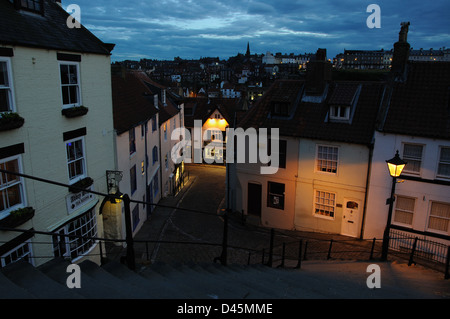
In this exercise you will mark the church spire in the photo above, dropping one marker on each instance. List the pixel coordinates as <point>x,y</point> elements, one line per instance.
<point>248,49</point>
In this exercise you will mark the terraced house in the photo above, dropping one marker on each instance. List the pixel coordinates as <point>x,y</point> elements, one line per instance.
<point>56,124</point>
<point>326,129</point>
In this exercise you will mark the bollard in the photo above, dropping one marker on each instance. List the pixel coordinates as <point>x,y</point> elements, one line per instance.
<point>306,248</point>
<point>269,262</point>
<point>329,249</point>
<point>411,257</point>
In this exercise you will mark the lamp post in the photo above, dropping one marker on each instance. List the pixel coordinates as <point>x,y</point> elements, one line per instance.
<point>395,166</point>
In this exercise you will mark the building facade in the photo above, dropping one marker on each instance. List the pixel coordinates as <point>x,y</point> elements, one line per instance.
<point>63,95</point>
<point>325,146</point>
<point>137,151</point>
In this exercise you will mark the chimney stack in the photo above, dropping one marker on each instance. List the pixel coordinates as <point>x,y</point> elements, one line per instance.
<point>318,73</point>
<point>401,53</point>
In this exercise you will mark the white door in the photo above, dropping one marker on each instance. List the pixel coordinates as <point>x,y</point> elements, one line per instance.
<point>350,218</point>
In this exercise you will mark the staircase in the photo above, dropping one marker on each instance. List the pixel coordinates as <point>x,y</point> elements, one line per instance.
<point>157,281</point>
<point>200,281</point>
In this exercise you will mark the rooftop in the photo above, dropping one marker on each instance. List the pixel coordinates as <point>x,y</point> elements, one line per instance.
<point>47,29</point>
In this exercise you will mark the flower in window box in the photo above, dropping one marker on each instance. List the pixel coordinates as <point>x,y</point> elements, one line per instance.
<point>81,184</point>
<point>75,111</point>
<point>17,217</point>
<point>10,121</point>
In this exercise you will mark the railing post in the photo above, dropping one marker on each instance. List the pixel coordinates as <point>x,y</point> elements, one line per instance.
<point>329,249</point>
<point>299,261</point>
<point>411,257</point>
<point>447,264</point>
<point>269,262</point>
<point>101,253</point>
<point>306,248</point>
<point>223,256</point>
<point>372,249</point>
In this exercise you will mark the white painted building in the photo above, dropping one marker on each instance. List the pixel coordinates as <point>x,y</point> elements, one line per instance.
<point>415,123</point>
<point>326,129</point>
<point>137,151</point>
<point>62,90</point>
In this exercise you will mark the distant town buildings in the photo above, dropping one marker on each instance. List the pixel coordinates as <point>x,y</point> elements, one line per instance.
<point>381,59</point>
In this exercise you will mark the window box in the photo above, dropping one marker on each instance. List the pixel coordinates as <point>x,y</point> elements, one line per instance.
<point>10,121</point>
<point>74,111</point>
<point>17,217</point>
<point>81,184</point>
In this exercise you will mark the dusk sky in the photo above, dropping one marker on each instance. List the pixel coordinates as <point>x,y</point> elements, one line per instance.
<point>166,29</point>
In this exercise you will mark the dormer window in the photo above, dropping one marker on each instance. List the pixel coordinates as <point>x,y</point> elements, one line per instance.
<point>36,6</point>
<point>340,112</point>
<point>343,101</point>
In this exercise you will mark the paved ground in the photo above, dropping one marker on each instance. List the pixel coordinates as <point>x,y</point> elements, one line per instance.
<point>195,216</point>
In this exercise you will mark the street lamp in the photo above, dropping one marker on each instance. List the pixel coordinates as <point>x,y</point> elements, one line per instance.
<point>395,166</point>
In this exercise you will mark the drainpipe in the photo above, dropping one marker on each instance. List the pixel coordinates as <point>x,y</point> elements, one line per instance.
<point>148,207</point>
<point>369,167</point>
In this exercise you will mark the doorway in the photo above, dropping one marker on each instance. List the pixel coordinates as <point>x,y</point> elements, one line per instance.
<point>254,199</point>
<point>350,218</point>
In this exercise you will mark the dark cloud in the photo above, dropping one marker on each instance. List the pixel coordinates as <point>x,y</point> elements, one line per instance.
<point>167,28</point>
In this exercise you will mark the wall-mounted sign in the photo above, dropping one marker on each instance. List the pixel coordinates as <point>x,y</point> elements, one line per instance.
<point>75,201</point>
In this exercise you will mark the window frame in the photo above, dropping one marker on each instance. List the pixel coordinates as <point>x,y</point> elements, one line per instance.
<point>316,162</point>
<point>338,108</point>
<point>10,88</point>
<point>154,155</point>
<point>439,217</point>
<point>78,177</point>
<point>439,162</point>
<point>132,141</point>
<point>66,242</point>
<point>395,209</point>
<point>20,182</point>
<point>332,212</point>
<point>409,158</point>
<point>79,99</point>
<point>271,195</point>
<point>133,179</point>
<point>27,255</point>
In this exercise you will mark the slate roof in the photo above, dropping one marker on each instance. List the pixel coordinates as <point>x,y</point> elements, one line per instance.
<point>132,100</point>
<point>170,109</point>
<point>311,120</point>
<point>201,108</point>
<point>420,106</point>
<point>48,31</point>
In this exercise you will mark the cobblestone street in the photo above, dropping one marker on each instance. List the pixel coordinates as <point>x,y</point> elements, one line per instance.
<point>195,216</point>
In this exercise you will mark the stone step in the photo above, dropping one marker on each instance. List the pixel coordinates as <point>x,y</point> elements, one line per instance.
<point>36,283</point>
<point>170,281</point>
<point>9,290</point>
